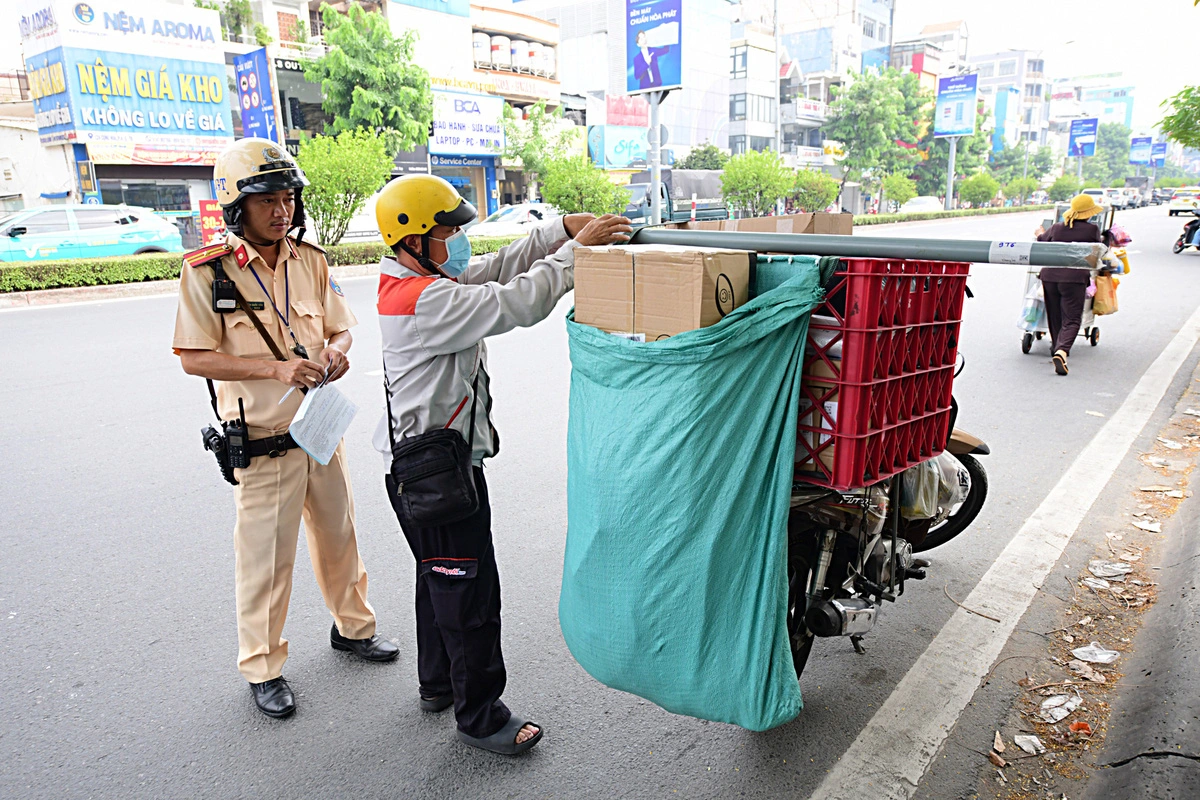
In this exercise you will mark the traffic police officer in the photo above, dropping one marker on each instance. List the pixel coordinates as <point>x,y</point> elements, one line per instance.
<point>285,283</point>
<point>436,307</point>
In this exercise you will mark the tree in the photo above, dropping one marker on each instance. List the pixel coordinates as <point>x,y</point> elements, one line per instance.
<point>970,156</point>
<point>368,79</point>
<point>1182,123</point>
<point>1064,188</point>
<point>706,156</point>
<point>814,190</point>
<point>899,188</point>
<point>576,185</point>
<point>1110,165</point>
<point>235,15</point>
<point>343,171</point>
<point>1009,163</point>
<point>877,119</point>
<point>1092,184</point>
<point>262,34</point>
<point>979,189</point>
<point>537,140</point>
<point>1020,188</point>
<point>755,181</point>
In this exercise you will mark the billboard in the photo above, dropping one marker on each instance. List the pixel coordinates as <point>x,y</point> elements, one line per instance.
<point>136,82</point>
<point>653,57</point>
<point>467,124</point>
<point>256,95</point>
<point>1158,154</point>
<point>618,146</point>
<point>1082,140</point>
<point>954,114</point>
<point>1139,150</point>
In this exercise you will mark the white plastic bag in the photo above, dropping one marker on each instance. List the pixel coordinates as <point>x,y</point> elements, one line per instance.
<point>919,491</point>
<point>953,481</point>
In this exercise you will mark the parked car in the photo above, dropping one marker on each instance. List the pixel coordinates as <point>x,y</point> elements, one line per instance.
<point>1184,201</point>
<point>514,220</point>
<point>1116,198</point>
<point>85,231</point>
<point>920,204</point>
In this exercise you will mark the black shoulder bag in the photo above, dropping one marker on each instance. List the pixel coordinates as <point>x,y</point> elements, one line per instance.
<point>432,473</point>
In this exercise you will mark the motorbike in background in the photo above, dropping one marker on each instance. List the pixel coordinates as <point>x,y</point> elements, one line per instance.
<point>1190,238</point>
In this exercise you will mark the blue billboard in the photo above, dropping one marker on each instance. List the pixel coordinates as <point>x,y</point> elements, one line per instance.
<point>1082,141</point>
<point>654,60</point>
<point>1158,154</point>
<point>1139,150</point>
<point>256,97</point>
<point>954,114</point>
<point>618,147</point>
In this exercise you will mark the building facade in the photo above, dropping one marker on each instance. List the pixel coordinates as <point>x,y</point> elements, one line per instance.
<point>1025,71</point>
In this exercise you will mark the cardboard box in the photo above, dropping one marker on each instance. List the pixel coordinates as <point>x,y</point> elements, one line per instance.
<point>657,291</point>
<point>838,224</point>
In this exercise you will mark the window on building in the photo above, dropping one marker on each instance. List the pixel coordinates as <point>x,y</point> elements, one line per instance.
<point>1008,67</point>
<point>47,222</point>
<point>737,145</point>
<point>738,67</point>
<point>987,70</point>
<point>882,32</point>
<point>1033,90</point>
<point>759,108</point>
<point>868,27</point>
<point>1035,65</point>
<point>761,143</point>
<point>737,107</point>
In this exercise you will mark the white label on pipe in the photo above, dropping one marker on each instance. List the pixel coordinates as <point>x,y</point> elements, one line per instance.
<point>1009,252</point>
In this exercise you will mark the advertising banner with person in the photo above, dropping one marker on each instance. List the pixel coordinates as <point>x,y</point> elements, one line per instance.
<point>256,95</point>
<point>1139,150</point>
<point>653,57</point>
<point>1082,140</point>
<point>135,83</point>
<point>954,114</point>
<point>1158,154</point>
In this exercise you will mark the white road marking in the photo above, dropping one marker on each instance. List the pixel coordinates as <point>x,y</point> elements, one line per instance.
<point>893,751</point>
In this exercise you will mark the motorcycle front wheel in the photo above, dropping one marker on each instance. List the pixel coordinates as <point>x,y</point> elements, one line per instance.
<point>1178,246</point>
<point>965,514</point>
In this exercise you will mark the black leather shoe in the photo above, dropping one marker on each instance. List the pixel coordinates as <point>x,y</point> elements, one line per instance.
<point>373,649</point>
<point>274,697</point>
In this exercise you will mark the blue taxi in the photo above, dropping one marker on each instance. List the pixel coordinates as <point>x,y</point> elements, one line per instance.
<point>55,232</point>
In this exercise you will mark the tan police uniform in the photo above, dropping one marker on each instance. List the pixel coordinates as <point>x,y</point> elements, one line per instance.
<point>273,494</point>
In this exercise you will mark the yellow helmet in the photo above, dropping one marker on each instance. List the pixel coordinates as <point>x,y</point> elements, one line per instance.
<point>415,203</point>
<point>254,166</point>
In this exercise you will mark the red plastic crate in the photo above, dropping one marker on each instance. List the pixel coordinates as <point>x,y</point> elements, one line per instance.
<point>897,325</point>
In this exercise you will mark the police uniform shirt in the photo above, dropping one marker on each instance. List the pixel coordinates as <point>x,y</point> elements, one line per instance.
<point>318,311</point>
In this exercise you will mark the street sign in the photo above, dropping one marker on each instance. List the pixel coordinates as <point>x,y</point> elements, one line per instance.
<point>1082,141</point>
<point>653,56</point>
<point>1139,150</point>
<point>1158,154</point>
<point>256,98</point>
<point>954,114</point>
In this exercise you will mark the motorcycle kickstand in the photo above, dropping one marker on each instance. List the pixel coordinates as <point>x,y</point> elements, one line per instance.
<point>858,645</point>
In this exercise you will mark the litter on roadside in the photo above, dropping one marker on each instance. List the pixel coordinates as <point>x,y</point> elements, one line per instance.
<point>1158,487</point>
<point>995,758</point>
<point>1129,557</point>
<point>1109,569</point>
<point>1059,707</point>
<point>1170,444</point>
<point>1147,525</point>
<point>1086,671</point>
<point>1096,583</point>
<point>1174,493</point>
<point>1093,413</point>
<point>1095,654</point>
<point>1030,744</point>
<point>1080,728</point>
<point>1192,412</point>
<point>1155,461</point>
<point>998,743</point>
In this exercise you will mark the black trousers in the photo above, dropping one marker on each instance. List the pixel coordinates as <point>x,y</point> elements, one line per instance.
<point>1064,312</point>
<point>458,616</point>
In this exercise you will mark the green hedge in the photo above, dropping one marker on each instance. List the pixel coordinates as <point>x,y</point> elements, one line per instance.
<point>886,219</point>
<point>23,276</point>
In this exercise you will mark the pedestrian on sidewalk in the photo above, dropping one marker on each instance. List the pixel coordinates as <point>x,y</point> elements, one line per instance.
<point>256,361</point>
<point>436,307</point>
<point>1065,288</point>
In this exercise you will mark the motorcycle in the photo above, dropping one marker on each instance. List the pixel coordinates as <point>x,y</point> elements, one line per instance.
<point>849,551</point>
<point>1189,238</point>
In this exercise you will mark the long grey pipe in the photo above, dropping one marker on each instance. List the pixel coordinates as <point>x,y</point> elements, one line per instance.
<point>1042,254</point>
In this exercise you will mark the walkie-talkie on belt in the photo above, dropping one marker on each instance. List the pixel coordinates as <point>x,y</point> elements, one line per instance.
<point>238,437</point>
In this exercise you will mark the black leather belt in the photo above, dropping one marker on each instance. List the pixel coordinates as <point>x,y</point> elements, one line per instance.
<point>273,446</point>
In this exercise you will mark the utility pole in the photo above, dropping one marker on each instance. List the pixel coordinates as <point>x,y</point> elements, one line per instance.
<point>778,95</point>
<point>655,134</point>
<point>950,173</point>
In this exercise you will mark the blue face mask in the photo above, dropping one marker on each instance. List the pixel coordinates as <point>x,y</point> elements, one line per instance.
<point>458,255</point>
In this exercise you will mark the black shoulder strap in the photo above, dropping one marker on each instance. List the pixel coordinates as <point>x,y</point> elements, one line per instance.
<point>387,401</point>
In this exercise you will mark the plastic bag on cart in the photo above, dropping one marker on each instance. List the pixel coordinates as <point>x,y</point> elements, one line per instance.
<point>680,459</point>
<point>1105,301</point>
<point>919,491</point>
<point>953,480</point>
<point>1033,313</point>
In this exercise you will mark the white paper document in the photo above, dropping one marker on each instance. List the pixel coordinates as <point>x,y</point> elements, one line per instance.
<point>322,421</point>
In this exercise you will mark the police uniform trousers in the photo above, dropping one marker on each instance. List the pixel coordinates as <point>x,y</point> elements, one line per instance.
<point>272,496</point>
<point>458,616</point>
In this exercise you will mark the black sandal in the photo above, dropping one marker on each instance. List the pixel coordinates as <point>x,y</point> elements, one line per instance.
<point>434,705</point>
<point>504,741</point>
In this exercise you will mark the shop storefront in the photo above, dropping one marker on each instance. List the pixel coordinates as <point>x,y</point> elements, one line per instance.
<point>140,94</point>
<point>471,176</point>
<point>468,136</point>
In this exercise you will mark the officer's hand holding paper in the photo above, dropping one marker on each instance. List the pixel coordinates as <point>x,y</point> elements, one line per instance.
<point>322,420</point>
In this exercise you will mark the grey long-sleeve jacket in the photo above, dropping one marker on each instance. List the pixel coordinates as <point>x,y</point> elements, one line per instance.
<point>433,331</point>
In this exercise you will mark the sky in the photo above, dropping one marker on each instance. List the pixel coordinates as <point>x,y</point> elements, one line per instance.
<point>1152,42</point>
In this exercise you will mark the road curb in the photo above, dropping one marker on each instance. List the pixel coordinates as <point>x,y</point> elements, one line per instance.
<point>120,291</point>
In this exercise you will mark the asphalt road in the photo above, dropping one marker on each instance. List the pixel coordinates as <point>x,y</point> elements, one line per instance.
<point>116,581</point>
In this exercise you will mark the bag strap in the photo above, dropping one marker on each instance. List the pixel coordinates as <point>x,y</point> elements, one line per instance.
<point>387,401</point>
<point>219,274</point>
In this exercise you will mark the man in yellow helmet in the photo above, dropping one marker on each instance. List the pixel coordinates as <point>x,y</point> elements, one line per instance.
<point>260,315</point>
<point>435,309</point>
